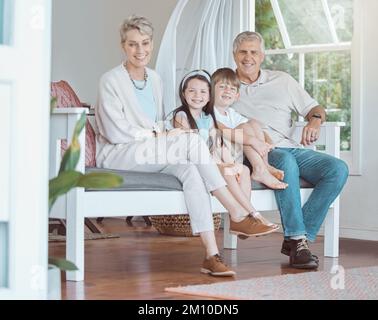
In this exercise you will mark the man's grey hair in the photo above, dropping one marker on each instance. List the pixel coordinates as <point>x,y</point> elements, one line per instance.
<point>248,36</point>
<point>142,24</point>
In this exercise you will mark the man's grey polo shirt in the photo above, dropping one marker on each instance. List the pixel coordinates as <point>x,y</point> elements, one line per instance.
<point>271,100</point>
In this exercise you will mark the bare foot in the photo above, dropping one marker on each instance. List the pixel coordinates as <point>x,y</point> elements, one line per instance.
<point>265,177</point>
<point>279,174</point>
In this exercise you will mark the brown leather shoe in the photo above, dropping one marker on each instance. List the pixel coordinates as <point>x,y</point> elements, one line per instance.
<point>215,266</point>
<point>250,227</point>
<point>301,256</point>
<point>286,249</point>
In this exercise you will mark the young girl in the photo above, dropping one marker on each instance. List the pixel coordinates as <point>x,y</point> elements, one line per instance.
<point>197,112</point>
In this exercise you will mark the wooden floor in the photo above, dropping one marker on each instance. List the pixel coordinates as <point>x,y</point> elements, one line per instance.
<point>141,263</point>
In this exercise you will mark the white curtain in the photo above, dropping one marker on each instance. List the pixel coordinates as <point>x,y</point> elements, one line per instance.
<point>199,35</point>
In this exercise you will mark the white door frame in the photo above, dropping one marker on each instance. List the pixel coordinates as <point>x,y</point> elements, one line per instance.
<point>25,99</point>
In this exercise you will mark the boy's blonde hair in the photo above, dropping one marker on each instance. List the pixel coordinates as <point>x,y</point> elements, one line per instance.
<point>225,75</point>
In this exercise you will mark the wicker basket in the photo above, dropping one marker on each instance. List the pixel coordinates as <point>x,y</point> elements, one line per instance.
<point>179,225</point>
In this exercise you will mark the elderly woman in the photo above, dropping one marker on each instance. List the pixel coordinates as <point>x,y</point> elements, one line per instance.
<point>128,115</point>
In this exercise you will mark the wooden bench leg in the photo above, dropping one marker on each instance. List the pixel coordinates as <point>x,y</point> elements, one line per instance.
<point>331,231</point>
<point>91,226</point>
<point>147,221</point>
<point>145,218</point>
<point>230,241</point>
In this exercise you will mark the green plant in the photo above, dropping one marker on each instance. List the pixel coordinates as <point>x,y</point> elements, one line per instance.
<point>68,178</point>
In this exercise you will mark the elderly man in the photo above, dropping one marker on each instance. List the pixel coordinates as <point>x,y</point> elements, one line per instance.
<point>270,97</point>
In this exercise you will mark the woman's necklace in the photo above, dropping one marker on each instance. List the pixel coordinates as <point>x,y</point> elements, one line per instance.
<point>145,77</point>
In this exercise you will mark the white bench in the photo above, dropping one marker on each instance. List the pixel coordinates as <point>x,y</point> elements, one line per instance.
<point>79,203</point>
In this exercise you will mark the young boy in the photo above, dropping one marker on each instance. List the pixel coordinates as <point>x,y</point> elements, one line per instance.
<point>243,132</point>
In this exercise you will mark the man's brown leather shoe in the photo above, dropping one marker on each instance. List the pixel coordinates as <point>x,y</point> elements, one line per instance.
<point>301,256</point>
<point>286,249</point>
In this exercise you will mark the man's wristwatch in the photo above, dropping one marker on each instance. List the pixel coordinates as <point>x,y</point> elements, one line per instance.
<point>317,116</point>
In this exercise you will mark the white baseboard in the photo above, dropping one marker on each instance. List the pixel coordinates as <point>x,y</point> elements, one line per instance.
<point>356,233</point>
<point>361,234</point>
<point>345,231</point>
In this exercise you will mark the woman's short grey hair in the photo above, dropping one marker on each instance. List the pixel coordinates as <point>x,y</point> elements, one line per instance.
<point>142,24</point>
<point>248,36</point>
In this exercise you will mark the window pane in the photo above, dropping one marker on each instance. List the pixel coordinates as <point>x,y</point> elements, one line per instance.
<point>1,21</point>
<point>283,62</point>
<point>5,21</point>
<point>305,21</point>
<point>342,15</point>
<point>328,80</point>
<point>266,25</point>
<point>3,255</point>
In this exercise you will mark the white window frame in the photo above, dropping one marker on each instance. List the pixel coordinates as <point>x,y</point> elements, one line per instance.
<point>352,157</point>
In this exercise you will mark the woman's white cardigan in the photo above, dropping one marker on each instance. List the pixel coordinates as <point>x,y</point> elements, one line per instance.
<point>121,123</point>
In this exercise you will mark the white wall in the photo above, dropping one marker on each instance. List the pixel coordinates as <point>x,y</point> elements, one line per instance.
<point>359,202</point>
<point>85,38</point>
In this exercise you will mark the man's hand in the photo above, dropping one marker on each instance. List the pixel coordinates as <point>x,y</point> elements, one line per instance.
<point>311,132</point>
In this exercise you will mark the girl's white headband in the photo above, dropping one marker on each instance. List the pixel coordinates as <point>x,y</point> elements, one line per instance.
<point>193,73</point>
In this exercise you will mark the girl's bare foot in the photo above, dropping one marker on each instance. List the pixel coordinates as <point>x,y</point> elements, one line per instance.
<point>264,176</point>
<point>279,174</point>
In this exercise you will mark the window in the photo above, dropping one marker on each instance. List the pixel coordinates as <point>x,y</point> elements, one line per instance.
<point>3,255</point>
<point>1,21</point>
<point>5,19</point>
<point>311,40</point>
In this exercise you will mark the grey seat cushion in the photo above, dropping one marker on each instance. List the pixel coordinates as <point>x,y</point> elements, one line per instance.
<point>146,181</point>
<point>141,181</point>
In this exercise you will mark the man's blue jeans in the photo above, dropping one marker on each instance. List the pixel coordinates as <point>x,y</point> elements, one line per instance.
<point>328,174</point>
